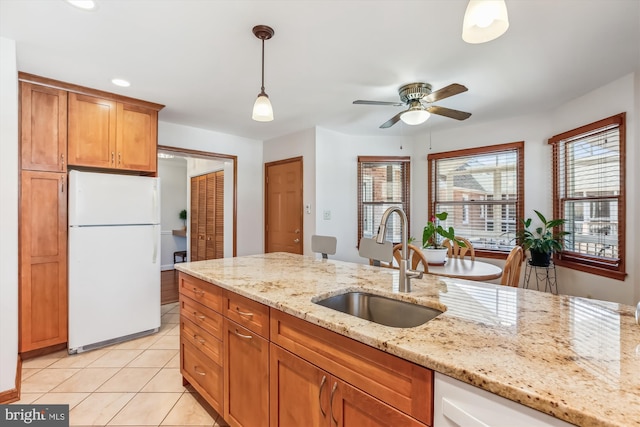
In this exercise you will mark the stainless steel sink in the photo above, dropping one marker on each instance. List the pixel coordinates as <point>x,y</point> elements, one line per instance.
<point>379,309</point>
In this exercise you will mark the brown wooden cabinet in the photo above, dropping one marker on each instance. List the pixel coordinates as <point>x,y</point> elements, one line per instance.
<point>113,135</point>
<point>282,371</point>
<point>43,260</point>
<point>201,334</point>
<point>246,379</point>
<point>207,216</point>
<point>43,128</point>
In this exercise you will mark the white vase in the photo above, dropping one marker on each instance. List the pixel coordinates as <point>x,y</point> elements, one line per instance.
<point>435,256</point>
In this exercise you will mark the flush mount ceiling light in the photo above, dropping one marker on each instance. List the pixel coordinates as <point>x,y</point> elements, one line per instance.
<point>416,114</point>
<point>83,4</point>
<point>484,20</point>
<point>120,82</point>
<point>262,110</point>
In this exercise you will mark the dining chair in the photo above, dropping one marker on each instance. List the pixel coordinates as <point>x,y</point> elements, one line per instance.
<point>416,257</point>
<point>325,245</point>
<point>379,254</point>
<point>511,271</point>
<point>454,250</point>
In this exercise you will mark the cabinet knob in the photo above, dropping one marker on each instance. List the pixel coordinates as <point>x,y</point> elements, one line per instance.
<point>61,161</point>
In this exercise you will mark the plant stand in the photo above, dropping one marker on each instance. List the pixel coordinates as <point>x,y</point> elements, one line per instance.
<point>543,275</point>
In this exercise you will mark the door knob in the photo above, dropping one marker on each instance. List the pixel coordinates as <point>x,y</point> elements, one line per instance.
<point>296,241</point>
<point>297,231</point>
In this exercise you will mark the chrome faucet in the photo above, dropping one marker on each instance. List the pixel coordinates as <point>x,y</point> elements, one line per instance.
<point>404,279</point>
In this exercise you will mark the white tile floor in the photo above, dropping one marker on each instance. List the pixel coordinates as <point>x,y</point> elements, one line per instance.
<point>135,383</point>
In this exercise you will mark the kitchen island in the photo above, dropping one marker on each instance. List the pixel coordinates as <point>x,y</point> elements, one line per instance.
<point>573,358</point>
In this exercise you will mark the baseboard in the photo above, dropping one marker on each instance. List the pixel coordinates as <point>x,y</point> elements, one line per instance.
<point>13,395</point>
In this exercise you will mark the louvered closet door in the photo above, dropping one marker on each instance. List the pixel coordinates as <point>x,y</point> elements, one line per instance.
<point>219,215</point>
<point>207,216</point>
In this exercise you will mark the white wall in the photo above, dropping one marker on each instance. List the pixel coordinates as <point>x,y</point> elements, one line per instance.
<point>535,130</point>
<point>296,145</point>
<point>8,214</point>
<point>197,166</point>
<point>173,199</point>
<point>613,98</point>
<point>336,183</point>
<point>249,153</point>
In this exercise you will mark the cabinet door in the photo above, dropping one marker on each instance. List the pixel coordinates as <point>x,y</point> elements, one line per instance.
<point>92,131</point>
<point>246,377</point>
<point>351,407</point>
<point>137,129</point>
<point>299,391</point>
<point>43,128</point>
<point>43,260</point>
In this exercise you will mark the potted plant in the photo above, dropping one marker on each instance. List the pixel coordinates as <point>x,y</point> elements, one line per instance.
<point>541,241</point>
<point>431,244</point>
<point>183,217</point>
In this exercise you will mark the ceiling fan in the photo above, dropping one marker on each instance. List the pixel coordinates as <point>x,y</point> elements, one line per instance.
<point>415,96</point>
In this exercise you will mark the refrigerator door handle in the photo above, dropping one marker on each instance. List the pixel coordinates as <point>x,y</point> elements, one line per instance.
<point>155,243</point>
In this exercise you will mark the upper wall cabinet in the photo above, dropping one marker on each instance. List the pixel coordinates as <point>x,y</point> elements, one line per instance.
<point>63,123</point>
<point>43,128</point>
<point>110,134</point>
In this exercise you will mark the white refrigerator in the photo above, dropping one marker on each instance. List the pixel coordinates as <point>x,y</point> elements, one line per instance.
<point>114,258</point>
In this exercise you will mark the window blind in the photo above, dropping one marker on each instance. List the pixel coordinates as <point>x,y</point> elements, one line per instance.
<point>589,192</point>
<point>481,190</point>
<point>383,182</point>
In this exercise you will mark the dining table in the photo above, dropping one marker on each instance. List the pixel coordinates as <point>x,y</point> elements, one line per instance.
<point>465,268</point>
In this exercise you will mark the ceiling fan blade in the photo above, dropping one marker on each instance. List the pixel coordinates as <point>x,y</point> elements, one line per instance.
<point>396,104</point>
<point>445,92</point>
<point>392,121</point>
<point>448,112</point>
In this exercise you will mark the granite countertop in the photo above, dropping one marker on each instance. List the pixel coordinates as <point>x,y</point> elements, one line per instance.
<point>574,358</point>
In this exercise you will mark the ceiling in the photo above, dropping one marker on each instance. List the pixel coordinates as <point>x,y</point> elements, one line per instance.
<point>201,60</point>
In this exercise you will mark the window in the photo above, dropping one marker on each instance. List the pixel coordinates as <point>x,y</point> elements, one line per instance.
<point>589,194</point>
<point>382,182</point>
<point>482,190</point>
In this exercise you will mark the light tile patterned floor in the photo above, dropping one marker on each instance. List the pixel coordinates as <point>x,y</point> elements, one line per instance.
<point>135,383</point>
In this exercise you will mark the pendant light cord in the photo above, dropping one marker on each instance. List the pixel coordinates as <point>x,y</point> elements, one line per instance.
<point>262,87</point>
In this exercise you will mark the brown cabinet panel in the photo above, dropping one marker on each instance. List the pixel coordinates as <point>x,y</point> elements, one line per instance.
<point>401,384</point>
<point>92,131</point>
<point>351,407</point>
<point>299,391</point>
<point>43,260</point>
<point>247,313</point>
<point>200,291</point>
<point>109,134</point>
<point>246,377</point>
<point>43,128</point>
<point>137,138</point>
<point>204,375</point>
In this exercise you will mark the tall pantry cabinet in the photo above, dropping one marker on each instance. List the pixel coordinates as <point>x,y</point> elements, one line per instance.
<point>43,217</point>
<point>66,125</point>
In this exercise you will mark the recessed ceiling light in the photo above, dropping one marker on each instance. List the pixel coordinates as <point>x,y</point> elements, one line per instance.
<point>121,82</point>
<point>83,4</point>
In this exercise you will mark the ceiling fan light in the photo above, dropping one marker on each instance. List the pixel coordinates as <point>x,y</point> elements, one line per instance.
<point>484,20</point>
<point>262,110</point>
<point>415,117</point>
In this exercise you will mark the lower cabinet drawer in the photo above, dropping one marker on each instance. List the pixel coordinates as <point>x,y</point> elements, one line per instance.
<point>204,375</point>
<point>202,316</point>
<point>202,340</point>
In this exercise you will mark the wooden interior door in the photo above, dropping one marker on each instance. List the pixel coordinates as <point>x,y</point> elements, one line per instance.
<point>207,216</point>
<point>283,206</point>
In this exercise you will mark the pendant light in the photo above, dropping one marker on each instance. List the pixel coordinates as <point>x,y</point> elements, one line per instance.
<point>262,110</point>
<point>484,20</point>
